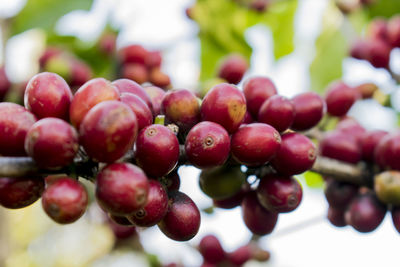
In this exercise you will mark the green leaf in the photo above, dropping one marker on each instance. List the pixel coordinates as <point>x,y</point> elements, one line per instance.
<point>331,48</point>
<point>313,179</point>
<point>45,13</point>
<point>383,8</point>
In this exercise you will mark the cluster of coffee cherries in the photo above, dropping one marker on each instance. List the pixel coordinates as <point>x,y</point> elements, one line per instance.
<point>350,6</point>
<point>141,65</point>
<point>349,204</point>
<point>381,37</point>
<point>111,125</point>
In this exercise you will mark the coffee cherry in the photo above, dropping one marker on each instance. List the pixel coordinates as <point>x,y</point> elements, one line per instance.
<point>142,111</point>
<point>233,68</point>
<point>65,200</point>
<point>360,49</point>
<point>309,108</point>
<point>369,142</point>
<point>207,145</point>
<point>340,146</point>
<point>135,72</point>
<point>247,118</point>
<point>4,83</point>
<point>182,221</point>
<point>157,150</point>
<point>257,90</point>
<point>377,30</point>
<point>121,220</point>
<point>225,105</point>
<point>154,209</point>
<point>156,95</point>
<point>296,154</point>
<point>181,107</point>
<point>221,182</point>
<point>277,111</point>
<point>387,187</point>
<point>211,249</point>
<point>339,194</point>
<point>379,54</point>
<point>121,188</point>
<point>88,95</point>
<point>108,131</point>
<point>159,78</point>
<point>393,31</point>
<point>153,59</point>
<point>80,73</point>
<point>52,143</point>
<point>339,98</point>
<point>396,218</point>
<point>365,213</point>
<point>133,54</point>
<point>336,216</point>
<point>16,193</point>
<point>387,153</point>
<point>255,144</point>
<point>129,86</point>
<point>15,121</point>
<point>279,194</point>
<point>351,127</point>
<point>258,220</point>
<point>171,182</point>
<point>240,255</point>
<point>232,201</point>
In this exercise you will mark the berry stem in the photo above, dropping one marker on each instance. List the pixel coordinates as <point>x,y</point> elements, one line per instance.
<point>160,119</point>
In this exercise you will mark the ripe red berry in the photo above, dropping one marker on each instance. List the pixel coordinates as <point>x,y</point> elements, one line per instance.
<point>225,105</point>
<point>369,142</point>
<point>133,54</point>
<point>233,68</point>
<point>336,216</point>
<point>142,111</point>
<point>171,181</point>
<point>154,209</point>
<point>121,188</point>
<point>129,86</point>
<point>108,131</point>
<point>309,108</point>
<point>379,54</point>
<point>277,111</point>
<point>340,146</point>
<point>182,221</point>
<point>296,154</point>
<point>387,153</point>
<point>339,194</point>
<point>15,121</point>
<point>211,249</point>
<point>339,98</point>
<point>255,144</point>
<point>16,193</point>
<point>156,95</point>
<point>65,200</point>
<point>279,194</point>
<point>360,49</point>
<point>153,59</point>
<point>258,220</point>
<point>157,150</point>
<point>207,145</point>
<point>377,30</point>
<point>182,108</point>
<point>88,95</point>
<point>52,143</point>
<point>393,31</point>
<point>257,90</point>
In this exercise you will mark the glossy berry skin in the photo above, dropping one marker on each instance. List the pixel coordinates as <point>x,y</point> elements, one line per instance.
<point>224,104</point>
<point>108,131</point>
<point>340,146</point>
<point>207,145</point>
<point>309,108</point>
<point>277,111</point>
<point>182,221</point>
<point>88,95</point>
<point>65,200</point>
<point>396,218</point>
<point>156,145</point>
<point>48,95</point>
<point>156,95</point>
<point>365,213</point>
<point>142,111</point>
<point>256,91</point>
<point>339,194</point>
<point>387,153</point>
<point>15,121</point>
<point>296,154</point>
<point>393,31</point>
<point>129,86</point>
<point>121,188</point>
<point>135,72</point>
<point>52,143</point>
<point>258,220</point>
<point>211,249</point>
<point>181,107</point>
<point>16,193</point>
<point>154,209</point>
<point>339,98</point>
<point>133,54</point>
<point>255,144</point>
<point>369,142</point>
<point>233,68</point>
<point>279,194</point>
<point>336,216</point>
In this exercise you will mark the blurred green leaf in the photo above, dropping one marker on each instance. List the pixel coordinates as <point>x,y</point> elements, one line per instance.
<point>313,180</point>
<point>45,13</point>
<point>383,8</point>
<point>331,48</point>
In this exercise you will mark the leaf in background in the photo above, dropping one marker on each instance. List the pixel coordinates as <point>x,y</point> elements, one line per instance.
<point>313,180</point>
<point>383,8</point>
<point>331,48</point>
<point>45,13</point>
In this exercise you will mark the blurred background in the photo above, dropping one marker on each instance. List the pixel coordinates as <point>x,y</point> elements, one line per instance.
<point>301,45</point>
